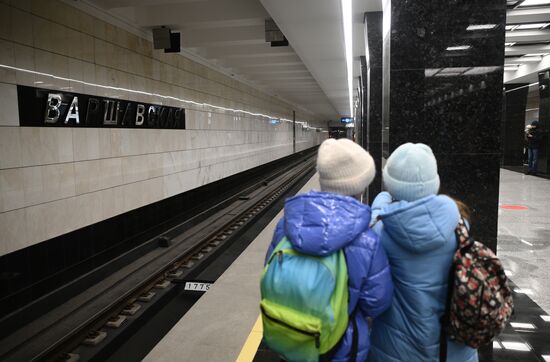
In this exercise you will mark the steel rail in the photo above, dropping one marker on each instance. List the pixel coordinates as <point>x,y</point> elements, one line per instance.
<point>90,311</point>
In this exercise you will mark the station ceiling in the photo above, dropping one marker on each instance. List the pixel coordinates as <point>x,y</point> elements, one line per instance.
<point>230,35</point>
<point>527,48</point>
<point>311,72</point>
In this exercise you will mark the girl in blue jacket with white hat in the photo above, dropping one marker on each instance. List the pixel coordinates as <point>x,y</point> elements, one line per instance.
<point>321,223</point>
<point>417,229</point>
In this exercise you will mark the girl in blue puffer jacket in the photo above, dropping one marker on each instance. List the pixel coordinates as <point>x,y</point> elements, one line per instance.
<point>320,223</point>
<point>417,230</point>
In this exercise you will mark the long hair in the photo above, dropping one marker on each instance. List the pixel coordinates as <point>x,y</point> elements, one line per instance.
<point>464,211</point>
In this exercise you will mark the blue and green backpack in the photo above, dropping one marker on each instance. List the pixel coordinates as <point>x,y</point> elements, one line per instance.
<point>304,302</point>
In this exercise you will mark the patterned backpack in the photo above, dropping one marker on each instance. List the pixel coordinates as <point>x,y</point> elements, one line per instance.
<point>480,300</point>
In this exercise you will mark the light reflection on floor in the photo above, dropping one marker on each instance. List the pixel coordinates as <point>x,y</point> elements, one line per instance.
<point>524,235</point>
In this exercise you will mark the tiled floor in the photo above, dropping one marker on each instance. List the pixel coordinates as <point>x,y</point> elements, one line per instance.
<point>525,339</point>
<point>524,248</point>
<point>524,235</point>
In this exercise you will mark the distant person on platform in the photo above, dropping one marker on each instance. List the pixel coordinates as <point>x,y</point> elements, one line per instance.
<point>534,139</point>
<point>526,144</point>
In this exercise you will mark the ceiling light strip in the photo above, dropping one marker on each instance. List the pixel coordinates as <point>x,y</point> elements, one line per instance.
<point>348,41</point>
<point>459,47</point>
<point>475,27</point>
<point>523,86</point>
<point>534,3</point>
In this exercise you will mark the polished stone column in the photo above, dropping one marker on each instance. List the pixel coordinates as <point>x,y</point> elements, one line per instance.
<point>373,39</point>
<point>359,116</point>
<point>544,120</point>
<point>443,87</point>
<point>513,125</point>
<point>293,131</point>
<point>364,81</point>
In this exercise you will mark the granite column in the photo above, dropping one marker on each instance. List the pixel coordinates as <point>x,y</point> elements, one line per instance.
<point>513,125</point>
<point>544,121</point>
<point>373,39</point>
<point>443,87</point>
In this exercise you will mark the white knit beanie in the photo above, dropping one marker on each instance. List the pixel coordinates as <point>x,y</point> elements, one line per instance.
<point>344,167</point>
<point>411,172</point>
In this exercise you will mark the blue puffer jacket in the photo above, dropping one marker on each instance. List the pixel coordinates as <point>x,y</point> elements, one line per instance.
<point>419,240</point>
<point>319,223</point>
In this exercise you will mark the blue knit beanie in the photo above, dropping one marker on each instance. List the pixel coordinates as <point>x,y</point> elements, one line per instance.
<point>411,172</point>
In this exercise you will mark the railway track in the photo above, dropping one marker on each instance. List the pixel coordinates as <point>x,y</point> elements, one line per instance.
<point>119,293</point>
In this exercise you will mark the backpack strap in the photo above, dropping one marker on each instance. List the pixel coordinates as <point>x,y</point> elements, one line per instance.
<point>462,233</point>
<point>445,317</point>
<point>463,240</point>
<point>284,243</point>
<point>327,357</point>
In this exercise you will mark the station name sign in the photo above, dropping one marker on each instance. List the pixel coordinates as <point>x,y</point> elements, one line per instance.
<point>49,108</point>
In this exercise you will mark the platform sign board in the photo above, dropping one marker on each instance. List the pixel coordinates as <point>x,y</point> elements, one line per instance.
<point>346,120</point>
<point>40,107</point>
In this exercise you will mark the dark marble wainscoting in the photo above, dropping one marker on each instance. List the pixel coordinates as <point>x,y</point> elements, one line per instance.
<point>443,87</point>
<point>544,121</point>
<point>513,125</point>
<point>373,24</point>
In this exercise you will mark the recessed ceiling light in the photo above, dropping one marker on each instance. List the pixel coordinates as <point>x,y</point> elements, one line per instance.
<point>454,70</point>
<point>532,26</point>
<point>430,71</point>
<point>447,74</point>
<point>534,3</point>
<point>523,325</point>
<point>509,44</point>
<point>529,59</point>
<point>481,70</point>
<point>516,346</point>
<point>511,27</point>
<point>545,318</point>
<point>481,27</point>
<point>459,47</point>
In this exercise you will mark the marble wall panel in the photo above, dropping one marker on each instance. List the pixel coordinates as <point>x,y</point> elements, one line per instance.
<point>56,180</point>
<point>9,111</point>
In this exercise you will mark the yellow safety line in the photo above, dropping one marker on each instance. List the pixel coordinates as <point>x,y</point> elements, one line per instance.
<point>252,343</point>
